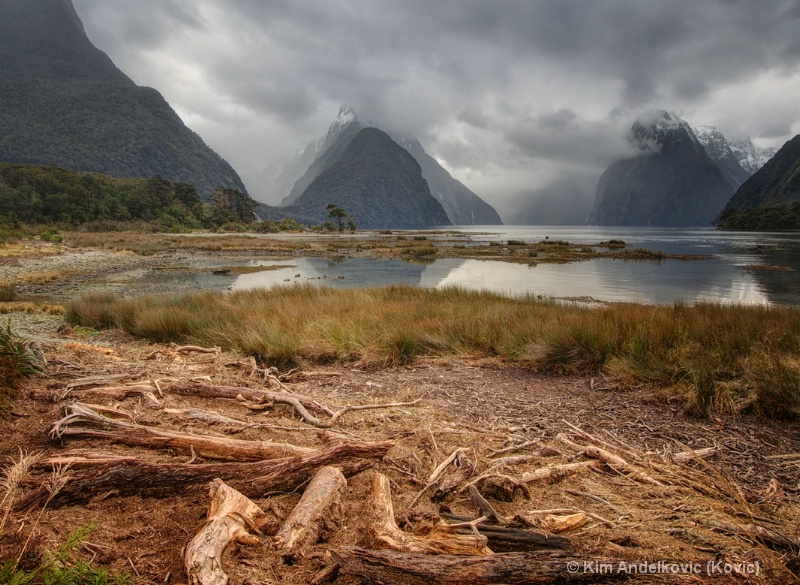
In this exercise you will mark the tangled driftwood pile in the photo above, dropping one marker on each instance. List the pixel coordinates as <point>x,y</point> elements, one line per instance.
<point>412,545</point>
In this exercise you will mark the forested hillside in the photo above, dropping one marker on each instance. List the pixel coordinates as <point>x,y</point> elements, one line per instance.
<point>32,195</point>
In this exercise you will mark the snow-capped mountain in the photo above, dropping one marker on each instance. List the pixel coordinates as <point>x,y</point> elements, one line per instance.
<point>654,129</point>
<point>673,182</point>
<point>750,156</point>
<point>719,151</point>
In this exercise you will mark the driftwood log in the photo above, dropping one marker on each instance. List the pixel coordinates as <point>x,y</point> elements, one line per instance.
<point>694,455</point>
<point>231,516</point>
<point>611,459</point>
<point>322,495</point>
<point>252,479</point>
<point>443,539</point>
<point>83,422</point>
<point>143,391</point>
<point>402,568</point>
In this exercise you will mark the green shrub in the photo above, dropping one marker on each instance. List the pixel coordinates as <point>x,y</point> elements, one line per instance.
<point>18,358</point>
<point>62,567</point>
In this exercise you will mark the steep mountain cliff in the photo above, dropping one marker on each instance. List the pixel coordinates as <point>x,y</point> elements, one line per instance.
<point>463,207</point>
<point>375,180</point>
<point>776,184</point>
<point>64,102</point>
<point>672,183</point>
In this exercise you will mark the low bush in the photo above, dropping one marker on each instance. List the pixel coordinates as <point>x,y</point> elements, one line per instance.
<point>18,358</point>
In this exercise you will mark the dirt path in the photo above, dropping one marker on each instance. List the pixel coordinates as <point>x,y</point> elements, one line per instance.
<point>477,405</point>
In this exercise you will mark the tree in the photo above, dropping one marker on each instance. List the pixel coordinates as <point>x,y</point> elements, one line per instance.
<point>341,217</point>
<point>230,206</point>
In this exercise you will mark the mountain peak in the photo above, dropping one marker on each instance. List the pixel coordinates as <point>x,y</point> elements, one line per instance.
<point>346,114</point>
<point>677,183</point>
<point>658,129</point>
<point>659,120</point>
<point>378,182</point>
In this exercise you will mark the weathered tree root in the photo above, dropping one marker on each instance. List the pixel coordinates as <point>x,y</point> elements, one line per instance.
<point>442,540</point>
<point>230,517</point>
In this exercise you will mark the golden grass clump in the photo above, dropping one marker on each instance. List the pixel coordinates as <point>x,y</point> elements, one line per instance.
<point>726,358</point>
<point>36,278</point>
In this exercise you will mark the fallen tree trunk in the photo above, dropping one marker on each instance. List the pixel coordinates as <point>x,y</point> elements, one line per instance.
<point>323,494</point>
<point>81,421</point>
<point>252,479</point>
<point>230,517</point>
<point>401,568</point>
<point>145,391</point>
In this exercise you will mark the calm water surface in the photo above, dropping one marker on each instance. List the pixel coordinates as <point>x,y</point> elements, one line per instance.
<point>727,277</point>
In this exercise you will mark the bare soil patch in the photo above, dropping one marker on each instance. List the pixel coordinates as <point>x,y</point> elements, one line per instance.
<point>702,513</point>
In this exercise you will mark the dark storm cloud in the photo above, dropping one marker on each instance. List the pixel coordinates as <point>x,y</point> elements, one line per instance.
<point>484,84</point>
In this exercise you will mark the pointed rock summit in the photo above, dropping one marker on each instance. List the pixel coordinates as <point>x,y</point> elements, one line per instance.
<point>463,207</point>
<point>375,180</point>
<point>64,102</point>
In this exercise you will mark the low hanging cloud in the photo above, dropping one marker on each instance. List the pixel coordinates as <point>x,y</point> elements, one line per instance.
<point>508,95</point>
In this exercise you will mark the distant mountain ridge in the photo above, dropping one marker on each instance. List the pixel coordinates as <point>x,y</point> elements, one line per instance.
<point>375,180</point>
<point>463,207</point>
<point>64,102</point>
<point>684,177</point>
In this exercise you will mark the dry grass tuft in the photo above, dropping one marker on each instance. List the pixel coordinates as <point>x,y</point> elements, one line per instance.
<point>41,277</point>
<point>12,479</point>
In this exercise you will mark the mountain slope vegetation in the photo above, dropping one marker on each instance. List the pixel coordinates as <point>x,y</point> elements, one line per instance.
<point>65,103</point>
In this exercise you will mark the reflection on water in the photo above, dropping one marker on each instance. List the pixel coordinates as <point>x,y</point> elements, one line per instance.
<point>728,277</point>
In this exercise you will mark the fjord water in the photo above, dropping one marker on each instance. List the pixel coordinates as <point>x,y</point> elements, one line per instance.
<point>726,277</point>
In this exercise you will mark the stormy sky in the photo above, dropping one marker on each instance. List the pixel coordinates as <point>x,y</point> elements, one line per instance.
<point>510,96</point>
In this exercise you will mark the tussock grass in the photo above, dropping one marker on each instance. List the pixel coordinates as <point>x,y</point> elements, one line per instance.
<point>41,277</point>
<point>8,293</point>
<point>716,358</point>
